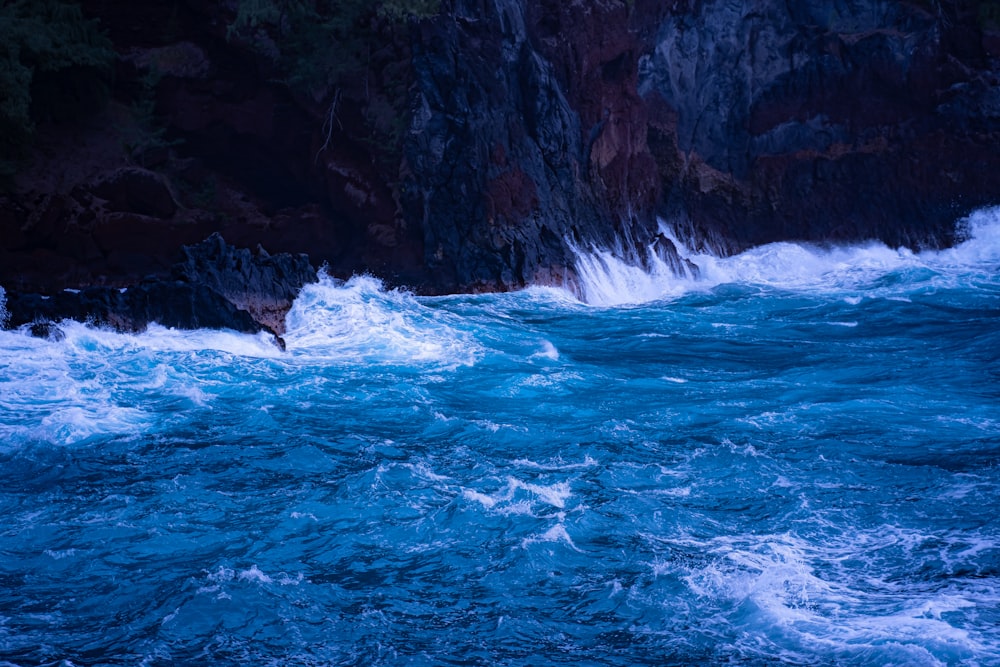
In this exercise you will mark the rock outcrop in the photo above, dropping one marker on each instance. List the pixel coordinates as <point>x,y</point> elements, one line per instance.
<point>527,136</point>
<point>540,128</point>
<point>263,285</point>
<point>217,286</point>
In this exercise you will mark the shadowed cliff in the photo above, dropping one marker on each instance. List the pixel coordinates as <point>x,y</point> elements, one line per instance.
<point>478,146</point>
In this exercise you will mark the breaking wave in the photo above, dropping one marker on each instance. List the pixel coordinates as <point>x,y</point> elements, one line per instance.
<point>608,280</point>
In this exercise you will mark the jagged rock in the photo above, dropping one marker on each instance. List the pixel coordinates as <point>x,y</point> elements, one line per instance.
<point>533,149</point>
<point>170,303</point>
<point>667,252</point>
<point>217,286</point>
<point>262,284</point>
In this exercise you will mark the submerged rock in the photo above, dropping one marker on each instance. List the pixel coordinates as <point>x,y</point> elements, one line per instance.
<point>46,329</point>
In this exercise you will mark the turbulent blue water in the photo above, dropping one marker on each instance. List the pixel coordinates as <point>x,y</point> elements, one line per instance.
<point>793,460</point>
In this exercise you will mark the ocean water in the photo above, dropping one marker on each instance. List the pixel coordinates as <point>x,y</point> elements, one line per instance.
<point>793,460</point>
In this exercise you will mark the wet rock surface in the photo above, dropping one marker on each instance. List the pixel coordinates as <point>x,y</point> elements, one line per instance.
<point>873,119</point>
<point>263,285</point>
<point>217,286</point>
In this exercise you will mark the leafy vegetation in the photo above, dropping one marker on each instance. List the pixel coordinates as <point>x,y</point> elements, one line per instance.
<point>148,134</point>
<point>53,65</point>
<point>316,44</point>
<point>320,48</point>
<point>989,13</point>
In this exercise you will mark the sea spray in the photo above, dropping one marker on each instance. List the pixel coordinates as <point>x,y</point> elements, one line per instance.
<point>4,315</point>
<point>360,320</point>
<point>614,277</point>
<point>610,278</point>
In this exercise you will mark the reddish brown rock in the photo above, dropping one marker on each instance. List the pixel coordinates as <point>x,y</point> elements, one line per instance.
<point>135,190</point>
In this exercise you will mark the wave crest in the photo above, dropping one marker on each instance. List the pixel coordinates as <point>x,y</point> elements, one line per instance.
<point>609,280</point>
<point>359,320</point>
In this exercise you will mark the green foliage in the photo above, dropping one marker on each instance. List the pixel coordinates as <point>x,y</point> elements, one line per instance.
<point>148,134</point>
<point>51,61</point>
<point>323,47</point>
<point>317,43</point>
<point>989,14</point>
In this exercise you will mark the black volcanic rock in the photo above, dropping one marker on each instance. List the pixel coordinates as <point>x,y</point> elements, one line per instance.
<point>877,119</point>
<point>522,141</point>
<point>46,329</point>
<point>263,285</point>
<point>172,304</point>
<point>217,286</point>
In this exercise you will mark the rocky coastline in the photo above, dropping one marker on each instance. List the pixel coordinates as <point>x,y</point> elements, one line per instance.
<point>474,148</point>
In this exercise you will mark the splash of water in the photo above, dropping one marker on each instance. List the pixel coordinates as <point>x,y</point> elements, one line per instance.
<point>359,320</point>
<point>612,277</point>
<point>626,275</point>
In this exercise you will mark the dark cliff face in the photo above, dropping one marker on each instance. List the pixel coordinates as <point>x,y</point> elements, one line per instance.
<point>527,136</point>
<point>871,119</point>
<point>739,123</point>
<point>475,149</point>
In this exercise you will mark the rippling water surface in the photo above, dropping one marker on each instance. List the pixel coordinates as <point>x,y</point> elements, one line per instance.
<point>794,459</point>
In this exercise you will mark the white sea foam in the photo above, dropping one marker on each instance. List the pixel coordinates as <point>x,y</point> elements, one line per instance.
<point>254,574</point>
<point>609,280</point>
<point>982,247</point>
<point>356,321</point>
<point>156,338</point>
<point>162,339</point>
<point>96,382</point>
<point>361,321</point>
<point>548,351</point>
<point>3,308</point>
<point>805,590</point>
<point>554,494</point>
<point>511,500</point>
<point>556,533</point>
<point>556,465</point>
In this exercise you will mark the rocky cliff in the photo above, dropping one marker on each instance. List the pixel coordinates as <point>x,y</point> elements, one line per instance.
<point>479,148</point>
<point>824,121</point>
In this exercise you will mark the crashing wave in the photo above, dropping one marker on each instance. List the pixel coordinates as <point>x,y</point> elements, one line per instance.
<point>360,320</point>
<point>619,276</point>
<point>671,269</point>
